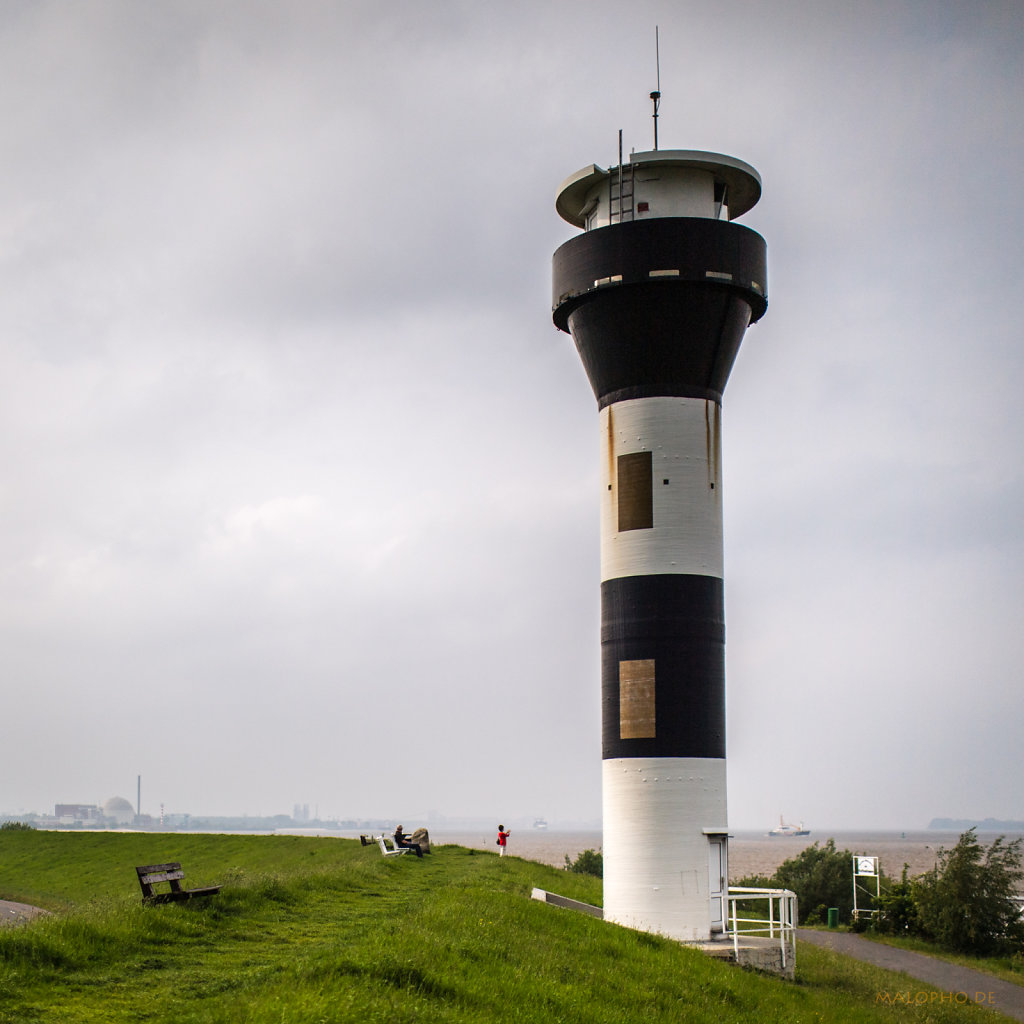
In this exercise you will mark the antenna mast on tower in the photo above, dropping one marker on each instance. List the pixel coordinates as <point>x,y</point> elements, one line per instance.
<point>656,95</point>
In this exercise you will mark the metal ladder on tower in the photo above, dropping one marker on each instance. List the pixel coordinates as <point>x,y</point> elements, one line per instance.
<point>620,197</point>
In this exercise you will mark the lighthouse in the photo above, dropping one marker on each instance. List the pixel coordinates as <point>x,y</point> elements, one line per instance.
<point>657,291</point>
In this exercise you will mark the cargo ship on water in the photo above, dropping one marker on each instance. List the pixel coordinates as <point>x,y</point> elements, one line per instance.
<point>782,829</point>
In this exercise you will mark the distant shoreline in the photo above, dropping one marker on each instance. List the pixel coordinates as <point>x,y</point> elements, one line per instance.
<point>985,825</point>
<point>815,834</point>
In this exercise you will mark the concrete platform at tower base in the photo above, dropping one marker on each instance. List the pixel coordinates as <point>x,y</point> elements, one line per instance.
<point>753,951</point>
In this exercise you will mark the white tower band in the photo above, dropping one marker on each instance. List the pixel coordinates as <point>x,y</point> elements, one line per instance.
<point>657,294</point>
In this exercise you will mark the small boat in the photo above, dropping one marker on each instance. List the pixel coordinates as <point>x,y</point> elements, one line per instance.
<point>540,823</point>
<point>782,829</point>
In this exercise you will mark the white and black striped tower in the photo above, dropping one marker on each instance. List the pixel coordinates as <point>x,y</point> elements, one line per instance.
<point>657,293</point>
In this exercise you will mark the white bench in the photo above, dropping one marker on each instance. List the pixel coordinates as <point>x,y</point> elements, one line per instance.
<point>390,853</point>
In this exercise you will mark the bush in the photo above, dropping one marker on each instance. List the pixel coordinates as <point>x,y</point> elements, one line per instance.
<point>821,877</point>
<point>756,882</point>
<point>897,909</point>
<point>17,826</point>
<point>967,901</point>
<point>589,862</point>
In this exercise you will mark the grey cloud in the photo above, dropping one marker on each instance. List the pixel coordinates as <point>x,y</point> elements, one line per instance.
<point>285,426</point>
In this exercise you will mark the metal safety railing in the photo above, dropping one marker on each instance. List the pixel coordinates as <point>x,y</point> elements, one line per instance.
<point>774,917</point>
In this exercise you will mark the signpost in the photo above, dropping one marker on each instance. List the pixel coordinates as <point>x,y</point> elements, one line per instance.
<point>866,867</point>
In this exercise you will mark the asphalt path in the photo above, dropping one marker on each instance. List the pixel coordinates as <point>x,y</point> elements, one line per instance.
<point>955,984</point>
<point>17,913</point>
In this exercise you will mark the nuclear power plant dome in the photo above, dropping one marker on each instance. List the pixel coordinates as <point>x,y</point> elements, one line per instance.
<point>119,810</point>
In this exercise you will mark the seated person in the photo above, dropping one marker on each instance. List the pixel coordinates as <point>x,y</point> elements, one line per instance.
<point>401,839</point>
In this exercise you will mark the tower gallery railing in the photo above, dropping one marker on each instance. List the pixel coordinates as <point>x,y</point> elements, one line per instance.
<point>774,917</point>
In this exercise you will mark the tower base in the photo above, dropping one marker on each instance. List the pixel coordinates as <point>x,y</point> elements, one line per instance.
<point>666,845</point>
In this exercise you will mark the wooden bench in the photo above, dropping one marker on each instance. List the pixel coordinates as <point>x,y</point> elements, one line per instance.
<point>151,874</point>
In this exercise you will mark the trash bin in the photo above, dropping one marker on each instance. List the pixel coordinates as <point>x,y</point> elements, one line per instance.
<point>833,917</point>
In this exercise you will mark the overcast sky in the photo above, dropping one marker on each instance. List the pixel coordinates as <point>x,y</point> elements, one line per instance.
<point>300,484</point>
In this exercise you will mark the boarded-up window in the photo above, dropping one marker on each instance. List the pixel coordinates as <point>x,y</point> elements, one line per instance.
<point>636,699</point>
<point>636,496</point>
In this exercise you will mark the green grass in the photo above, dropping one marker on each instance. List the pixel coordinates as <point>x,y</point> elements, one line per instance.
<point>322,930</point>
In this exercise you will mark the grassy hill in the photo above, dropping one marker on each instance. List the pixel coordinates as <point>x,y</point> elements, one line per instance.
<point>317,930</point>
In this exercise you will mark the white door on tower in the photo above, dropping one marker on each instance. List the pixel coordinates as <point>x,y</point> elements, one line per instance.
<point>717,880</point>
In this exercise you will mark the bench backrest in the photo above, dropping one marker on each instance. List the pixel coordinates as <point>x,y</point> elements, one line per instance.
<point>150,874</point>
<point>384,847</point>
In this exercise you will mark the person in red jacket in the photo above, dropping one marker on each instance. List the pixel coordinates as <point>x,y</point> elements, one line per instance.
<point>502,839</point>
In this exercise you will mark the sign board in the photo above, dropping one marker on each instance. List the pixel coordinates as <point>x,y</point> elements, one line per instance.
<point>865,865</point>
<point>869,867</point>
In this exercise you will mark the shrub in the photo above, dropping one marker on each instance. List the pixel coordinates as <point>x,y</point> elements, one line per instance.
<point>589,862</point>
<point>897,909</point>
<point>17,826</point>
<point>967,901</point>
<point>756,882</point>
<point>821,877</point>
